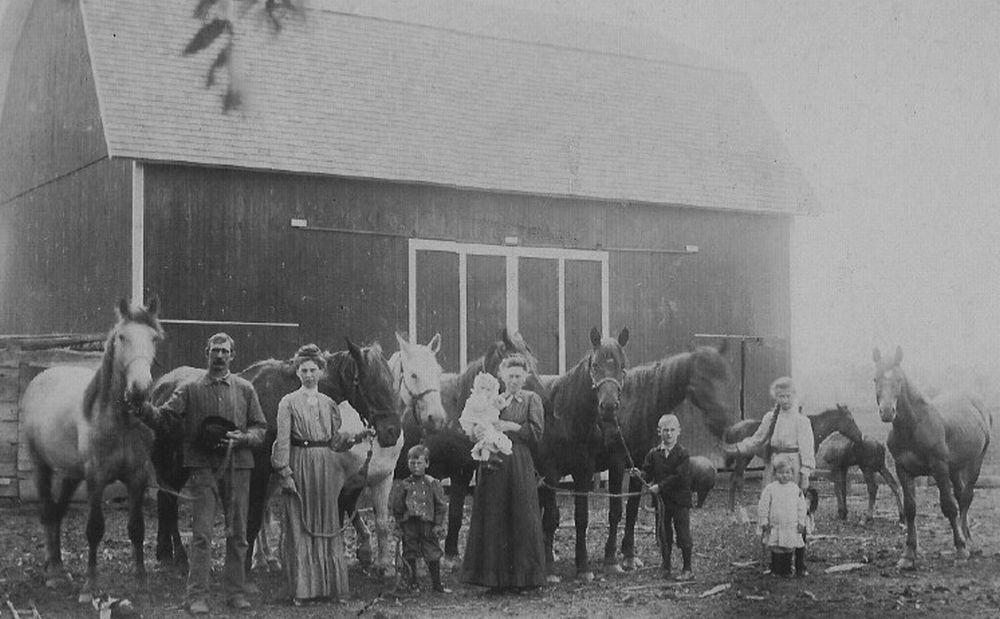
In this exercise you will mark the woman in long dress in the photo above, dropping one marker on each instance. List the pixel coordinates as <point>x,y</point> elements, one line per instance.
<point>505,548</point>
<point>303,455</point>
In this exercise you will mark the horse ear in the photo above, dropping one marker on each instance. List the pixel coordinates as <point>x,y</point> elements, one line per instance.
<point>123,310</point>
<point>435,343</point>
<point>876,355</point>
<point>899,356</point>
<point>402,341</point>
<point>154,305</point>
<point>354,350</point>
<point>723,346</point>
<point>595,337</point>
<point>623,337</point>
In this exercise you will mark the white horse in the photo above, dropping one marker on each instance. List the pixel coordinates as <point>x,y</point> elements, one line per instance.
<point>417,376</point>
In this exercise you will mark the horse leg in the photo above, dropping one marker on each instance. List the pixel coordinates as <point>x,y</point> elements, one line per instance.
<point>840,489</point>
<point>95,533</point>
<point>872,483</point>
<point>948,487</point>
<point>137,523</point>
<point>260,481</point>
<point>52,514</point>
<point>582,483</point>
<point>616,473</point>
<point>960,487</point>
<point>908,484</point>
<point>891,482</point>
<point>383,527</point>
<point>631,515</point>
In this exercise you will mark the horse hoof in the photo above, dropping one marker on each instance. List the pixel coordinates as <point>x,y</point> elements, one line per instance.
<point>552,579</point>
<point>85,598</point>
<point>52,583</point>
<point>962,554</point>
<point>585,576</point>
<point>906,564</point>
<point>614,568</point>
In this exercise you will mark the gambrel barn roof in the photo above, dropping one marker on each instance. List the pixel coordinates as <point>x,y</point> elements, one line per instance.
<point>339,93</point>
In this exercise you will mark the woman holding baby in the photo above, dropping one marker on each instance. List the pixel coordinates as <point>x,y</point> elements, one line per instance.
<point>505,550</point>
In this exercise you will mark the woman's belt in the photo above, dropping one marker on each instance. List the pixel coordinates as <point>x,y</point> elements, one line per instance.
<point>298,442</point>
<point>784,450</point>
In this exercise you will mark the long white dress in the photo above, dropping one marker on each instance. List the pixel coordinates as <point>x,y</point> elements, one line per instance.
<point>783,508</point>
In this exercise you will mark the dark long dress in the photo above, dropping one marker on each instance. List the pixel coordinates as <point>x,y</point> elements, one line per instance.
<point>505,547</point>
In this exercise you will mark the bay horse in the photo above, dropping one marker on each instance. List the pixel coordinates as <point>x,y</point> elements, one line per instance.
<point>836,419</point>
<point>701,376</point>
<point>579,424</point>
<point>449,446</point>
<point>80,423</point>
<point>945,438</point>
<point>840,453</point>
<point>359,376</point>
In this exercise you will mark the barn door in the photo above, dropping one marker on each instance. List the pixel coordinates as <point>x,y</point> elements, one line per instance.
<point>468,292</point>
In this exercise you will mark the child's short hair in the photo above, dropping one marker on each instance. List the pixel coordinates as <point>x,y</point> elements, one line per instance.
<point>782,384</point>
<point>418,451</point>
<point>782,465</point>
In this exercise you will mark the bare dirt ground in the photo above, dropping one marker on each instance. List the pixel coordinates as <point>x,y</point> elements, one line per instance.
<point>725,554</point>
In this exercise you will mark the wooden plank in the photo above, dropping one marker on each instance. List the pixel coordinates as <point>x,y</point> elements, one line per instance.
<point>9,487</point>
<point>8,455</point>
<point>8,469</point>
<point>8,384</point>
<point>8,411</point>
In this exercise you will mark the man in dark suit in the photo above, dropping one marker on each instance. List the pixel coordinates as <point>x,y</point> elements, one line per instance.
<point>667,473</point>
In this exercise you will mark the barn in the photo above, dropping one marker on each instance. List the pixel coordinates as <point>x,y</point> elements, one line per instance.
<point>387,173</point>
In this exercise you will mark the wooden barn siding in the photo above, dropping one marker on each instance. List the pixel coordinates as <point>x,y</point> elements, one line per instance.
<point>50,124</point>
<point>219,246</point>
<point>65,252</point>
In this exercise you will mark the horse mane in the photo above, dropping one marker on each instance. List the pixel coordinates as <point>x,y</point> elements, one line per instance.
<point>101,384</point>
<point>660,385</point>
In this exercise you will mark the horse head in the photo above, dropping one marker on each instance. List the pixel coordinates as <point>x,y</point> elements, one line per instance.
<point>377,399</point>
<point>510,344</point>
<point>606,365</point>
<point>416,371</point>
<point>132,346</point>
<point>846,424</point>
<point>708,386</point>
<point>889,382</point>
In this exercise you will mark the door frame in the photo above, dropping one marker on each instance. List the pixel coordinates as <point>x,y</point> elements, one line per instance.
<point>511,254</point>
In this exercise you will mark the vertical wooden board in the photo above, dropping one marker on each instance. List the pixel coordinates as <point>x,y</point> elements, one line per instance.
<point>8,411</point>
<point>487,302</point>
<point>437,303</point>
<point>9,387</point>
<point>583,307</point>
<point>538,305</point>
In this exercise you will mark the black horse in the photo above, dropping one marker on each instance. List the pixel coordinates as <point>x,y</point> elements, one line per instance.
<point>450,448</point>
<point>358,375</point>
<point>579,424</point>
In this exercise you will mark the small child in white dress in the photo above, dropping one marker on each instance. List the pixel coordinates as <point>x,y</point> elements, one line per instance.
<point>782,518</point>
<point>481,417</point>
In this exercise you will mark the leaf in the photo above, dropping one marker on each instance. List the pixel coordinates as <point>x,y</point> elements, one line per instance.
<point>220,61</point>
<point>201,11</point>
<point>207,35</point>
<point>231,100</point>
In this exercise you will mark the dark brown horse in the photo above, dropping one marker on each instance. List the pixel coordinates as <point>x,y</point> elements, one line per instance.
<point>945,438</point>
<point>80,424</point>
<point>450,448</point>
<point>701,376</point>
<point>361,376</point>
<point>579,425</point>
<point>836,419</point>
<point>841,453</point>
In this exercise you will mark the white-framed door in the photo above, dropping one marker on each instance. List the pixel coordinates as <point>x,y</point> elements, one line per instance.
<point>467,290</point>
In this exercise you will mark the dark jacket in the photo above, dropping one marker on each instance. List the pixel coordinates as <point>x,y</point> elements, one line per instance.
<point>418,497</point>
<point>671,472</point>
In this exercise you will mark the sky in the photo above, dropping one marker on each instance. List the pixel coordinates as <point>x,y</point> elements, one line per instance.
<point>892,111</point>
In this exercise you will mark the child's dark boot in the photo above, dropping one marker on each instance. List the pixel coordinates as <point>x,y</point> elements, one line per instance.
<point>434,567</point>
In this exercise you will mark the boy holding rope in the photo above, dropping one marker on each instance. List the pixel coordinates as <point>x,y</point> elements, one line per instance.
<point>667,474</point>
<point>418,505</point>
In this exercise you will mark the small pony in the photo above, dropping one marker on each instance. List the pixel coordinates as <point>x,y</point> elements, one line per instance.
<point>481,416</point>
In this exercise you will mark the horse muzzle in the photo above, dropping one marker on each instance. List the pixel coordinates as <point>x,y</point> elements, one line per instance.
<point>887,412</point>
<point>387,435</point>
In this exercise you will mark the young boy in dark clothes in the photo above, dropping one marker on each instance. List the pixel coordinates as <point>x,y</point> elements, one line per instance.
<point>666,468</point>
<point>418,505</point>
